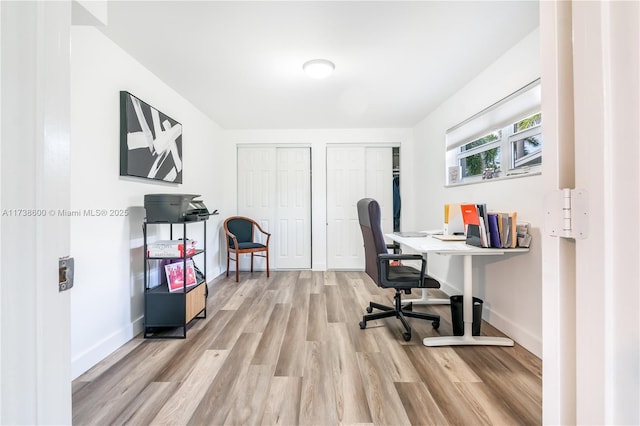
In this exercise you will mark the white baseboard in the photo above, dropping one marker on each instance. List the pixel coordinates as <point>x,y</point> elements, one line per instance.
<point>520,335</point>
<point>90,357</point>
<point>319,266</point>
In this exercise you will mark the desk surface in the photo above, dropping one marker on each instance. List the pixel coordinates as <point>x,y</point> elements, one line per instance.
<point>429,244</point>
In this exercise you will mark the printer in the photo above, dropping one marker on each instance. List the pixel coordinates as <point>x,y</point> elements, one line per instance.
<point>174,208</point>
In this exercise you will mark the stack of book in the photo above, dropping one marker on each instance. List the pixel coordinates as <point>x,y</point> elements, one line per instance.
<point>171,248</point>
<point>485,228</point>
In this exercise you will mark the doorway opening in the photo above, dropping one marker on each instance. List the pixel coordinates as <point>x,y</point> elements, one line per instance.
<point>395,157</point>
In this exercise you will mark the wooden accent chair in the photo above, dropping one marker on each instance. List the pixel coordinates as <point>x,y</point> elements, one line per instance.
<point>241,234</point>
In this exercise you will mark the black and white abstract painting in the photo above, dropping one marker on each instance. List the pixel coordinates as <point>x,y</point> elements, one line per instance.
<point>150,141</point>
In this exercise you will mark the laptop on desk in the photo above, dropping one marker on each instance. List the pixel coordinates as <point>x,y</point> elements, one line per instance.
<point>450,237</point>
<point>411,234</point>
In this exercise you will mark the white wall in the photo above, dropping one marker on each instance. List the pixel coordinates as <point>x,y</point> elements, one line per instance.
<point>317,139</point>
<point>510,286</point>
<point>107,302</point>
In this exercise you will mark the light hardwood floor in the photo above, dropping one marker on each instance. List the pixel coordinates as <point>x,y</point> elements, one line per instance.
<point>288,350</point>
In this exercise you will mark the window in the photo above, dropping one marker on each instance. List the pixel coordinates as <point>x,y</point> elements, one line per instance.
<point>501,141</point>
<point>480,155</point>
<point>526,142</point>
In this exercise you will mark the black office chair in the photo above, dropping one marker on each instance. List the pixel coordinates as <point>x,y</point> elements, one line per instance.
<point>401,278</point>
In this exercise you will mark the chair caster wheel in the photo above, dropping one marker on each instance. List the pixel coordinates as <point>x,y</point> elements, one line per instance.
<point>435,324</point>
<point>363,325</point>
<point>406,336</point>
<point>369,309</point>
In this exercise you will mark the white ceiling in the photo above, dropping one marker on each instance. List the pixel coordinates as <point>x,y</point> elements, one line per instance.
<point>241,62</point>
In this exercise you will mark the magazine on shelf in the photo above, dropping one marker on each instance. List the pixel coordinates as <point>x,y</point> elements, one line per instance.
<point>175,275</point>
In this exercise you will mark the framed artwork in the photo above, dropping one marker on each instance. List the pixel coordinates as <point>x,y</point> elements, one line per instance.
<point>175,275</point>
<point>150,141</point>
<point>454,174</point>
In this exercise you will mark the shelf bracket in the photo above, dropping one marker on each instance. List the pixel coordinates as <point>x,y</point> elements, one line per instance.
<point>566,213</point>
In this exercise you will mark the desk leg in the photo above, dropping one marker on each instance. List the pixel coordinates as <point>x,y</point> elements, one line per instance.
<point>468,338</point>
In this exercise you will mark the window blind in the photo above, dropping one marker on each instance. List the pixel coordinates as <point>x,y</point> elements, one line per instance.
<point>522,103</point>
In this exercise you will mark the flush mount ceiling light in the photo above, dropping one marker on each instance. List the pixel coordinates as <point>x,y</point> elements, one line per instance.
<point>318,68</point>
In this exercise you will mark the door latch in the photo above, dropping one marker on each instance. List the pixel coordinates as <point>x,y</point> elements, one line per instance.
<point>65,273</point>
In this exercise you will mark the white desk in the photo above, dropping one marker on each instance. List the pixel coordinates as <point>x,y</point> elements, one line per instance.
<point>427,245</point>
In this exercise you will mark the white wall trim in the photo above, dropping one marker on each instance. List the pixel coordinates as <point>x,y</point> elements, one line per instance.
<point>511,328</point>
<point>102,348</point>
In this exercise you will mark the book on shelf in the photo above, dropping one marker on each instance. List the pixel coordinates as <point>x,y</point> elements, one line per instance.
<point>484,223</point>
<point>513,240</point>
<point>506,228</point>
<point>175,275</point>
<point>484,239</point>
<point>507,220</point>
<point>494,230</point>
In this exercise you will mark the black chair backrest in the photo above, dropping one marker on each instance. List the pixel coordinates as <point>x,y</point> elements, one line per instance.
<point>242,229</point>
<point>371,226</point>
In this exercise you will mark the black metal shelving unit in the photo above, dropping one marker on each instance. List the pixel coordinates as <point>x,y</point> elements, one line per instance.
<point>164,311</point>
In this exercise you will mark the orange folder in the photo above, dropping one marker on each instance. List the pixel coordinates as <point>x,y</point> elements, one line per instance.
<point>469,214</point>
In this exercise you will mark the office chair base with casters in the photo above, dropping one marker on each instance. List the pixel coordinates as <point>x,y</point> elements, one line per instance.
<point>399,311</point>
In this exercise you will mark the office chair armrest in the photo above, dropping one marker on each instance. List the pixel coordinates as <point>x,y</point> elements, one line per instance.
<point>383,269</point>
<point>394,256</point>
<point>395,247</point>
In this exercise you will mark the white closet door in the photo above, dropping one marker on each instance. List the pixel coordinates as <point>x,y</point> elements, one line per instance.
<point>345,186</point>
<point>292,248</point>
<point>274,188</point>
<point>256,195</point>
<point>355,172</point>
